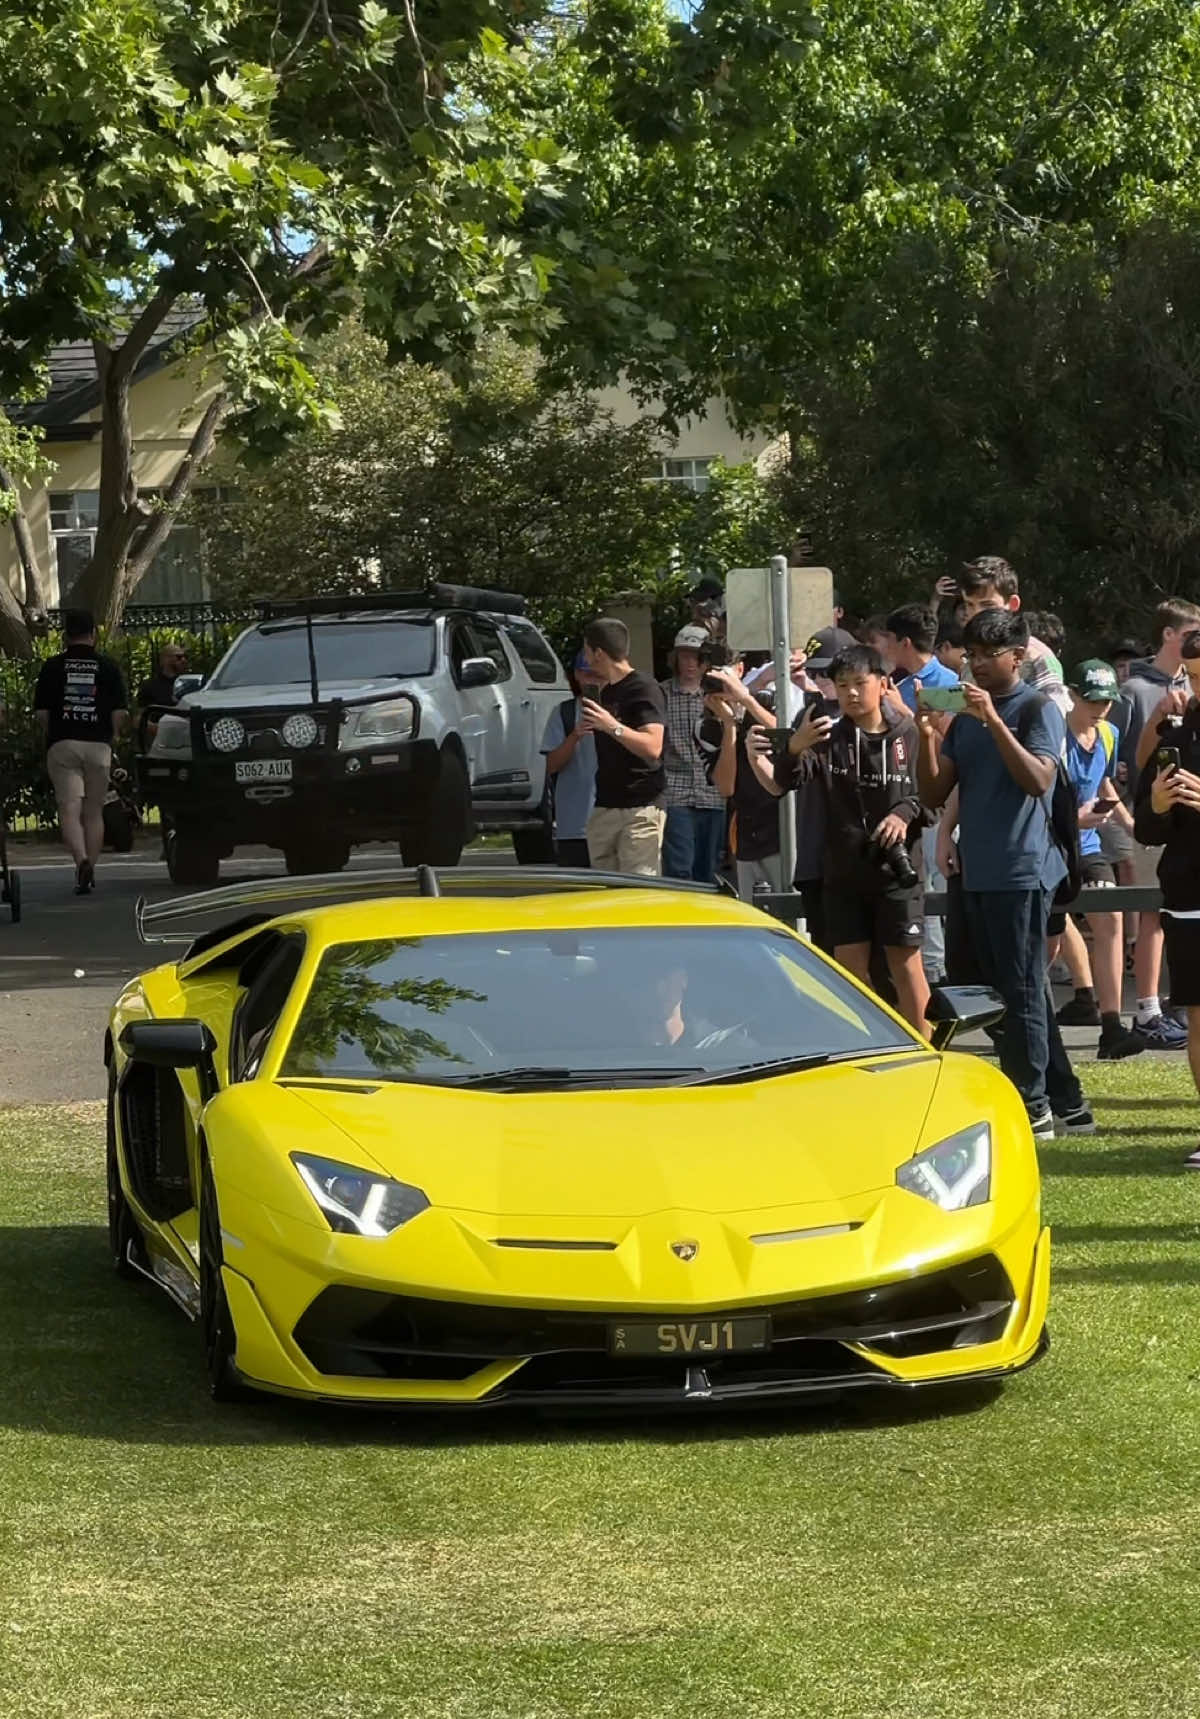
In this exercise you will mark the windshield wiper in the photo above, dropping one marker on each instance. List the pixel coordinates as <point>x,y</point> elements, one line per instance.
<point>776,1065</point>
<point>502,1078</point>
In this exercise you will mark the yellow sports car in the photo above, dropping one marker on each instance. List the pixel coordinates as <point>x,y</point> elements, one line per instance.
<point>493,1138</point>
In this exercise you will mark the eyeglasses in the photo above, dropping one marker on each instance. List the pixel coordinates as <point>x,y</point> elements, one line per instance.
<point>977,655</point>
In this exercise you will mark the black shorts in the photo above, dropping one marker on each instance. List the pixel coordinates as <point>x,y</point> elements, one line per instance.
<point>1181,938</point>
<point>890,919</point>
<point>1094,871</point>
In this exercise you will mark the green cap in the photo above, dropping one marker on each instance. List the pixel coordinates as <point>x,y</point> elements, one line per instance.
<point>1095,681</point>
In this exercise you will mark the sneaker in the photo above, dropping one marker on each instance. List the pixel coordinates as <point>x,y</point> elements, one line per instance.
<point>1079,1012</point>
<point>1041,1122</point>
<point>1192,1161</point>
<point>1160,1034</point>
<point>1079,1121</point>
<point>1115,1045</point>
<point>1179,1016</point>
<point>85,878</point>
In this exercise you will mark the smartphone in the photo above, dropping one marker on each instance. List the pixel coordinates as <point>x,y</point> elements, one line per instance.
<point>712,683</point>
<point>777,742</point>
<point>950,698</point>
<point>1167,758</point>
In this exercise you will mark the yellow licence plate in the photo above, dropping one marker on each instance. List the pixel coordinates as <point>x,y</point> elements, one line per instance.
<point>685,1337</point>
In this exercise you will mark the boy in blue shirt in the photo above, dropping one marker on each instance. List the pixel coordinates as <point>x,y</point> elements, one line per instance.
<point>910,636</point>
<point>1002,754</point>
<point>1091,760</point>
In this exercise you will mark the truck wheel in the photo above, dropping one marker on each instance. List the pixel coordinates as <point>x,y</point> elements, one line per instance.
<point>441,836</point>
<point>191,860</point>
<point>533,847</point>
<point>313,855</point>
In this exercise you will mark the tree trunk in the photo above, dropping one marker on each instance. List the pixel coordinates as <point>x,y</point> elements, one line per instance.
<point>15,640</point>
<point>35,595</point>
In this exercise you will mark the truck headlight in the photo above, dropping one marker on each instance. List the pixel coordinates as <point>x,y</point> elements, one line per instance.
<point>356,1201</point>
<point>394,720</point>
<point>955,1173</point>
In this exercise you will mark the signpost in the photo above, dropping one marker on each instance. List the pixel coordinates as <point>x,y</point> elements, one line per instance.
<point>781,647</point>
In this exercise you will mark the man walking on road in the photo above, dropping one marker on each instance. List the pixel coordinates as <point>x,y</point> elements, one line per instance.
<point>625,831</point>
<point>80,704</point>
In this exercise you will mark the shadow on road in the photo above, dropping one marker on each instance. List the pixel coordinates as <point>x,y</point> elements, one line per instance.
<point>91,1356</point>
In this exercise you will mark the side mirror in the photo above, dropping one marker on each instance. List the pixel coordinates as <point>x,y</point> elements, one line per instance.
<point>169,1043</point>
<point>186,683</point>
<point>955,1009</point>
<point>478,671</point>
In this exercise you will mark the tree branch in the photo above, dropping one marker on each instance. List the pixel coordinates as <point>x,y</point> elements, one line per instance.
<point>145,326</point>
<point>35,596</point>
<point>155,532</point>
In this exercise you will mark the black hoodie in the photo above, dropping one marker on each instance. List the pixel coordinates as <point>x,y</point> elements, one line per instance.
<point>1177,832</point>
<point>866,776</point>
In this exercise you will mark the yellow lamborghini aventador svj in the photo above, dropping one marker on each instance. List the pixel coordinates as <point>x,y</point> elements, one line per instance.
<point>486,1138</point>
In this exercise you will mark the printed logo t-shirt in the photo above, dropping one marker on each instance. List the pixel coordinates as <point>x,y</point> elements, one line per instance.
<point>79,691</point>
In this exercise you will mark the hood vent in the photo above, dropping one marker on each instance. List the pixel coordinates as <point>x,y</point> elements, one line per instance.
<point>805,1235</point>
<point>552,1244</point>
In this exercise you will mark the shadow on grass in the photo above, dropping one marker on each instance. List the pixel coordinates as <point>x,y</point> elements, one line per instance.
<point>85,1354</point>
<point>1168,1272</point>
<point>1104,1103</point>
<point>1088,1160</point>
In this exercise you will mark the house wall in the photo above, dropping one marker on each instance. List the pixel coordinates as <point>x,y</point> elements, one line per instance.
<point>709,435</point>
<point>165,407</point>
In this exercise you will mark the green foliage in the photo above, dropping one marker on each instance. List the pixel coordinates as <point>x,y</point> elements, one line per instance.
<point>490,481</point>
<point>22,459</point>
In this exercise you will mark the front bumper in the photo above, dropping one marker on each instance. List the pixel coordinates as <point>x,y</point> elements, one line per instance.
<point>975,1320</point>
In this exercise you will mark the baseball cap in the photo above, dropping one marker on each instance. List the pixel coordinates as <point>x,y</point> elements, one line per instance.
<point>1095,680</point>
<point>581,662</point>
<point>692,638</point>
<point>1128,648</point>
<point>825,645</point>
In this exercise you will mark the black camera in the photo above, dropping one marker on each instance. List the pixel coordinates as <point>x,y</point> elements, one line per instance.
<point>895,862</point>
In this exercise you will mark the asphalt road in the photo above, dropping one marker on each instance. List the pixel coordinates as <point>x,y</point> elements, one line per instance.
<point>63,964</point>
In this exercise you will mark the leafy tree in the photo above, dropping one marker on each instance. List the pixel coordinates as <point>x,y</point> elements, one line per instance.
<point>490,481</point>
<point>257,162</point>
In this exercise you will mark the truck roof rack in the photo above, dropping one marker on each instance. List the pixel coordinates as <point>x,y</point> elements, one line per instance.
<point>208,918</point>
<point>437,596</point>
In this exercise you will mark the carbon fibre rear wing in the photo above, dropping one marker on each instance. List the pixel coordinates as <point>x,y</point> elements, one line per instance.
<point>214,914</point>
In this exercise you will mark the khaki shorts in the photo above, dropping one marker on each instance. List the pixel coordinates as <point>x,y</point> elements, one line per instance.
<point>79,771</point>
<point>627,839</point>
<point>1145,866</point>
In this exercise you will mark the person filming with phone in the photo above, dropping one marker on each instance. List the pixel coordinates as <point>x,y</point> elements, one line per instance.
<point>1167,815</point>
<point>866,761</point>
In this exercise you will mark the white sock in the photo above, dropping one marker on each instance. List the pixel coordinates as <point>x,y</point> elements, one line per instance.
<point>1148,1009</point>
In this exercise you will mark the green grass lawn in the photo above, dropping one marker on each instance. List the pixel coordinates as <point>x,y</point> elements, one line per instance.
<point>1033,1554</point>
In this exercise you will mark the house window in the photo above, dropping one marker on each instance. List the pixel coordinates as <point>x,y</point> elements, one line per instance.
<point>685,474</point>
<point>74,516</point>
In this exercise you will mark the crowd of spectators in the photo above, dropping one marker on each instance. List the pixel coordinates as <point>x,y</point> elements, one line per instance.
<point>942,748</point>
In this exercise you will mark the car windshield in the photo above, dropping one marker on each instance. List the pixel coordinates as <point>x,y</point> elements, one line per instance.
<point>556,1007</point>
<point>277,654</point>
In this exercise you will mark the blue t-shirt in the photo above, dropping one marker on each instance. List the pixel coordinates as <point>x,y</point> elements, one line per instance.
<point>1004,834</point>
<point>1087,771</point>
<point>574,786</point>
<point>934,673</point>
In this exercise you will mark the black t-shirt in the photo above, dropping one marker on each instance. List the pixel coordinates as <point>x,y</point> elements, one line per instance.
<point>80,690</point>
<point>159,689</point>
<point>622,778</point>
<point>755,808</point>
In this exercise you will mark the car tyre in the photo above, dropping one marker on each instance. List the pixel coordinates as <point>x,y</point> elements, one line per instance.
<point>191,860</point>
<point>123,1232</point>
<point>216,1319</point>
<point>444,830</point>
<point>304,858</point>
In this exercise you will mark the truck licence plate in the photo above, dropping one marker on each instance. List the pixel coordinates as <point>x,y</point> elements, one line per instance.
<point>263,770</point>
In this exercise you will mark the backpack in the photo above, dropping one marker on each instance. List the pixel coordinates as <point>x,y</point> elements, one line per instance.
<point>1063,815</point>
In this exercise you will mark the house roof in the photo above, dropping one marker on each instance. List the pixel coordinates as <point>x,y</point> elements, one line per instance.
<point>74,379</point>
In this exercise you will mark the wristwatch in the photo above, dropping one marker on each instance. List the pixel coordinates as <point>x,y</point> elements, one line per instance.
<point>618,731</point>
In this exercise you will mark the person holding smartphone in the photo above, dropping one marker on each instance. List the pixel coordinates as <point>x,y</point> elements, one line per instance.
<point>1091,761</point>
<point>1167,816</point>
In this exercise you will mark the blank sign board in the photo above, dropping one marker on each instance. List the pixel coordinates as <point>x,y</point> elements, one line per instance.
<point>748,606</point>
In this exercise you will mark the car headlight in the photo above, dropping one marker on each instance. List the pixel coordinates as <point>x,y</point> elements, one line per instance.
<point>390,721</point>
<point>174,734</point>
<point>355,1201</point>
<point>955,1173</point>
<point>226,734</point>
<point>299,730</point>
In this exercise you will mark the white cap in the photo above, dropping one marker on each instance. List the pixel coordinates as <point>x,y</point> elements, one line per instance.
<point>692,638</point>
